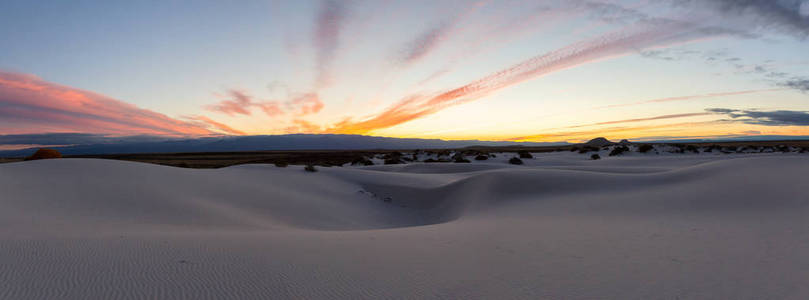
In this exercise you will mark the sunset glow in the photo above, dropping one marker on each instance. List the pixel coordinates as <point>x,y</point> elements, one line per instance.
<point>488,70</point>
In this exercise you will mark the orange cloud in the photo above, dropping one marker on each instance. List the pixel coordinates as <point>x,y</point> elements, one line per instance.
<point>28,103</point>
<point>603,47</point>
<point>220,126</point>
<point>303,126</point>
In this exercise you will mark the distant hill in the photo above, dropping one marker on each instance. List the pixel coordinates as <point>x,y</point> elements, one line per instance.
<point>258,143</point>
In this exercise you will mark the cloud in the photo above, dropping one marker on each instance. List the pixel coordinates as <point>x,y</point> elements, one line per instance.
<point>219,126</point>
<point>431,38</point>
<point>306,104</point>
<point>24,141</point>
<point>766,118</point>
<point>303,126</point>
<point>651,34</point>
<point>663,117</point>
<point>798,84</point>
<point>241,103</point>
<point>689,97</point>
<point>328,25</point>
<point>780,15</point>
<point>30,104</point>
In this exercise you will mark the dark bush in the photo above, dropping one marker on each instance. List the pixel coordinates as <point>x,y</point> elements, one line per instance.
<point>432,160</point>
<point>44,154</point>
<point>691,148</point>
<point>645,148</point>
<point>515,161</point>
<point>481,157</point>
<point>362,161</point>
<point>586,149</point>
<point>574,149</point>
<point>393,161</point>
<point>525,154</point>
<point>462,160</point>
<point>595,156</point>
<point>310,168</point>
<point>281,164</point>
<point>618,150</point>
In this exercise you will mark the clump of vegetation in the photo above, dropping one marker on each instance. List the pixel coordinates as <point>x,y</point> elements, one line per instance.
<point>433,160</point>
<point>595,157</point>
<point>515,161</point>
<point>462,160</point>
<point>586,149</point>
<point>525,154</point>
<point>362,161</point>
<point>618,150</point>
<point>310,168</point>
<point>645,148</point>
<point>481,157</point>
<point>393,161</point>
<point>691,148</point>
<point>281,164</point>
<point>574,149</point>
<point>44,154</point>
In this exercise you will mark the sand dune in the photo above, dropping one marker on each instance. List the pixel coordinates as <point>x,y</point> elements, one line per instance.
<point>558,227</point>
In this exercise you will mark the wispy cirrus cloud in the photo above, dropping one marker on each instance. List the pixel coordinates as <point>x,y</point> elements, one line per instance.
<point>218,125</point>
<point>303,126</point>
<point>240,103</point>
<point>649,34</point>
<point>328,26</point>
<point>305,104</point>
<point>430,39</point>
<point>690,97</point>
<point>767,118</point>
<point>31,104</point>
<point>787,16</point>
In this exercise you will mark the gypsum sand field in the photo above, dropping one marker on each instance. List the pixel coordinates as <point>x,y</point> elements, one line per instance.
<point>560,226</point>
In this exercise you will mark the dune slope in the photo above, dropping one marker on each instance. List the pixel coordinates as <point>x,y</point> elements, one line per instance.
<point>559,227</point>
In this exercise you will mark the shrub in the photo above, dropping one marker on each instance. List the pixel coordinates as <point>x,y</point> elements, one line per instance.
<point>393,161</point>
<point>183,165</point>
<point>645,148</point>
<point>691,148</point>
<point>281,164</point>
<point>462,160</point>
<point>310,168</point>
<point>481,157</point>
<point>44,154</point>
<point>595,156</point>
<point>618,150</point>
<point>574,149</point>
<point>362,161</point>
<point>525,154</point>
<point>586,149</point>
<point>515,161</point>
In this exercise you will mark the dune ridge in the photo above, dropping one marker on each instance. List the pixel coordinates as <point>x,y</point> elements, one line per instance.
<point>558,227</point>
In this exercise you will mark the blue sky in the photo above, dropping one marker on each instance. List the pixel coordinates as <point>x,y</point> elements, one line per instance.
<point>452,69</point>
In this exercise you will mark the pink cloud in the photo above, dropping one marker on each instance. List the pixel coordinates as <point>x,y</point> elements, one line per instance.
<point>30,103</point>
<point>328,25</point>
<point>219,126</point>
<point>240,104</point>
<point>306,104</point>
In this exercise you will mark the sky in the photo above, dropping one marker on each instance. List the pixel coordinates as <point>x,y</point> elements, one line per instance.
<point>547,71</point>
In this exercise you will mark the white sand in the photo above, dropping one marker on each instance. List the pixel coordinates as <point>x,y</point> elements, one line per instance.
<point>559,227</point>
